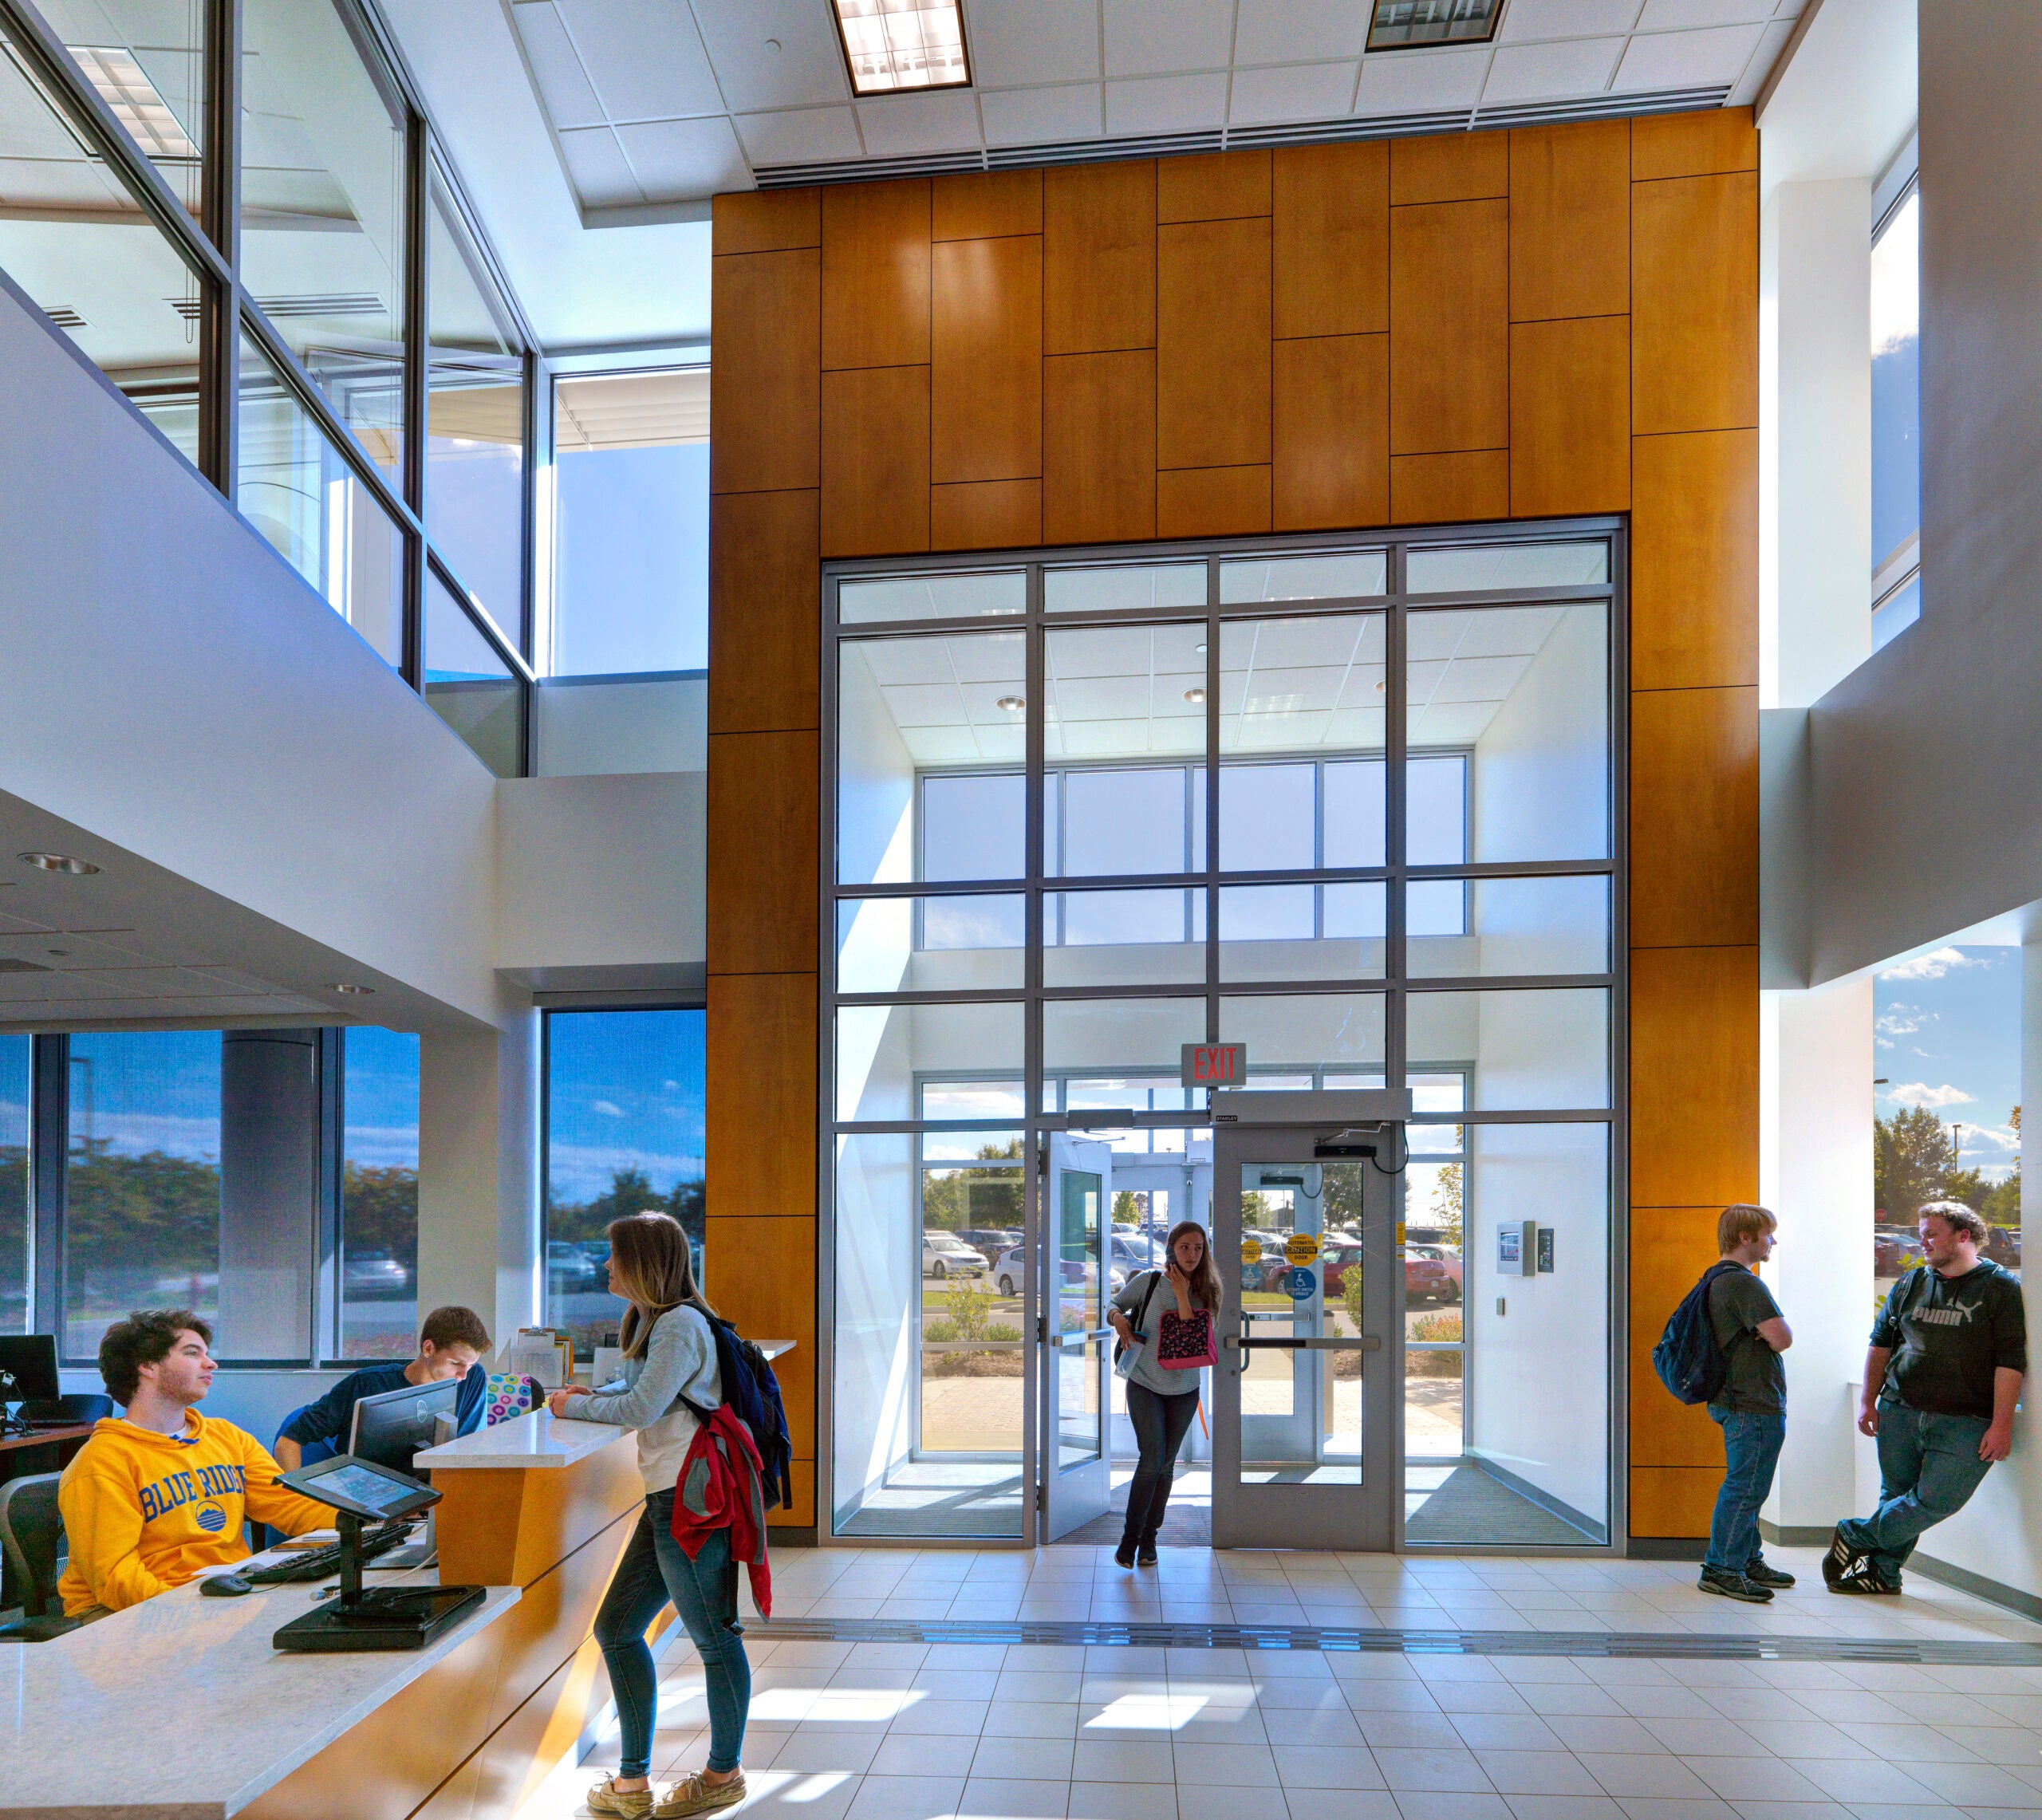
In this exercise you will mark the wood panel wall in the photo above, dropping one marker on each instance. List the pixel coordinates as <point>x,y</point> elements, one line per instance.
<point>1537,323</point>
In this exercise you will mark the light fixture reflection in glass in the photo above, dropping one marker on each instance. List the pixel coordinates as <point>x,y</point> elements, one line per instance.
<point>1194,696</point>
<point>902,44</point>
<point>1013,704</point>
<point>136,103</point>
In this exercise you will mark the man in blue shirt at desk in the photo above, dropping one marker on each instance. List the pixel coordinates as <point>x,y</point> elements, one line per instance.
<point>452,1344</point>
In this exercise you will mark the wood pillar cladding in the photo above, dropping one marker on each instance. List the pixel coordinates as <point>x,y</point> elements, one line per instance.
<point>1543,322</point>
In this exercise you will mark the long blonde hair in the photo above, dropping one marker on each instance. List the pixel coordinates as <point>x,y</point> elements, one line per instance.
<point>1204,1285</point>
<point>654,1269</point>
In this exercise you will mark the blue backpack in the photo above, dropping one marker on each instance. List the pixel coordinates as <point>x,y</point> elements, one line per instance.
<point>752,1393</point>
<point>1687,1360</point>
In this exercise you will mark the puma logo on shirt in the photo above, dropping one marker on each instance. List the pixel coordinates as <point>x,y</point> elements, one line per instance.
<point>1957,1315</point>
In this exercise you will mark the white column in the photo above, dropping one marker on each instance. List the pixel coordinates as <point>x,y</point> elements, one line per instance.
<point>478,1185</point>
<point>1816,1058</point>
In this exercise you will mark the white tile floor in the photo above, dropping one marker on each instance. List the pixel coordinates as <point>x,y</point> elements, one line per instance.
<point>844,1730</point>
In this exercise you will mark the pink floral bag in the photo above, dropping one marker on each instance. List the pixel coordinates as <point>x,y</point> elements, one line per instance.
<point>1184,1344</point>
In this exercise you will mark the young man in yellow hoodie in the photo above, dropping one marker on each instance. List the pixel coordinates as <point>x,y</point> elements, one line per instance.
<point>158,1495</point>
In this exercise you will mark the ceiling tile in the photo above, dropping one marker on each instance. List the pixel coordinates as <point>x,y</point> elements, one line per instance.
<point>1166,104</point>
<point>1524,20</point>
<point>1408,82</point>
<point>802,136</point>
<point>1037,116</point>
<point>1771,44</point>
<point>1304,91</point>
<point>1298,31</point>
<point>1547,72</point>
<point>1015,43</point>
<point>1686,60</point>
<point>676,160</point>
<point>597,168</point>
<point>1686,15</point>
<point>647,62</point>
<point>563,84</point>
<point>1165,37</point>
<point>904,124</point>
<point>773,54</point>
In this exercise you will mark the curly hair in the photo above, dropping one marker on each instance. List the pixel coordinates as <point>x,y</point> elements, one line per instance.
<point>145,1337</point>
<point>1957,1217</point>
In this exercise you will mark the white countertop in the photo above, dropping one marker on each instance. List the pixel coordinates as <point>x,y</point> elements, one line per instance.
<point>538,1439</point>
<point>181,1705</point>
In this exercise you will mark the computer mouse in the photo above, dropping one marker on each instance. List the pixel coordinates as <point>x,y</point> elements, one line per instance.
<point>225,1586</point>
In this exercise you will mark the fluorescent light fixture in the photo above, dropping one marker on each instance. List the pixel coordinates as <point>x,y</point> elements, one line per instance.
<point>136,103</point>
<point>1406,25</point>
<point>894,45</point>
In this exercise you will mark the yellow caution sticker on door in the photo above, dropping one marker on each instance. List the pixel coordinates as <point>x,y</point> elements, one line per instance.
<point>1301,1248</point>
<point>1251,1251</point>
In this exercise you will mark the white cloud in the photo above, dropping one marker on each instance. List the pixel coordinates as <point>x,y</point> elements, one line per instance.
<point>1917,1093</point>
<point>1988,1137</point>
<point>610,1108</point>
<point>1931,966</point>
<point>1902,1020</point>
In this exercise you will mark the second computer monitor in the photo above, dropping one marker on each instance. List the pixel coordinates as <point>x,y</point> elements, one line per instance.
<point>388,1429</point>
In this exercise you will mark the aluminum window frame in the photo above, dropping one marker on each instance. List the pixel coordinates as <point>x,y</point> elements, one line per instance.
<point>1396,985</point>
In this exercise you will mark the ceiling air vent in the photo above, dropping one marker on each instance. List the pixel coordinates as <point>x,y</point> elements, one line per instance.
<point>279,309</point>
<point>64,316</point>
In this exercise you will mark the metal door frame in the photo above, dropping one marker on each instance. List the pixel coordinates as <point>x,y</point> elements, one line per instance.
<point>1301,1127</point>
<point>1063,1153</point>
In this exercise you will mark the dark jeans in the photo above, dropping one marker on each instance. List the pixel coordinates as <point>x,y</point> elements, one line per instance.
<point>1751,1451</point>
<point>1929,1467</point>
<point>653,1574</point>
<point>1160,1424</point>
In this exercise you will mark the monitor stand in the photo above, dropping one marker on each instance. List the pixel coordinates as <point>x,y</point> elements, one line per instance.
<point>387,1617</point>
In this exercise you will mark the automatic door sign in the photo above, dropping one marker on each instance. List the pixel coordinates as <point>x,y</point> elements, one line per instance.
<point>1302,1284</point>
<point>1300,1248</point>
<point>1251,1251</point>
<point>1251,1276</point>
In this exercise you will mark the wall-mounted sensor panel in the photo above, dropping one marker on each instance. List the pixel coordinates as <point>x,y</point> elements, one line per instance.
<point>1545,1251</point>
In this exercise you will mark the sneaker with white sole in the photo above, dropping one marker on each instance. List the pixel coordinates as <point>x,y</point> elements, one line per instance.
<point>692,1795</point>
<point>1842,1559</point>
<point>627,1804</point>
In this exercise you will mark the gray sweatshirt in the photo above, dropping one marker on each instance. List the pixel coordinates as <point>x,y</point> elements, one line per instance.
<point>679,1359</point>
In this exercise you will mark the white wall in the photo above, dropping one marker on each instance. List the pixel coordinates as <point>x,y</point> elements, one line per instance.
<point>1542,775</point>
<point>599,725</point>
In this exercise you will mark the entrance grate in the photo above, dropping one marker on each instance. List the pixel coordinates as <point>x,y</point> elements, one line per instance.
<point>1921,1652</point>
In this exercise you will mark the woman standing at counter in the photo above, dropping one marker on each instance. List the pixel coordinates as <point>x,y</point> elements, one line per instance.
<point>669,1361</point>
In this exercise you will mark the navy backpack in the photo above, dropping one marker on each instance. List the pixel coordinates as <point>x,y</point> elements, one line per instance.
<point>753,1395</point>
<point>1687,1360</point>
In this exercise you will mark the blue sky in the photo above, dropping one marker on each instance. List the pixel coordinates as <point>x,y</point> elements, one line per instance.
<point>626,1090</point>
<point>381,1108</point>
<point>1949,1039</point>
<point>633,572</point>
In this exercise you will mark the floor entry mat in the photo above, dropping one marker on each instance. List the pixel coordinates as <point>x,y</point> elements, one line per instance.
<point>1469,1507</point>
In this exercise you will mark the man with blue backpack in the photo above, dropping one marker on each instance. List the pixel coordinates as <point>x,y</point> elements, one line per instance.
<point>1722,1347</point>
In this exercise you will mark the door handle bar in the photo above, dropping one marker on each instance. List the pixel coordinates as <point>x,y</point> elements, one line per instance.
<point>1367,1343</point>
<point>1080,1339</point>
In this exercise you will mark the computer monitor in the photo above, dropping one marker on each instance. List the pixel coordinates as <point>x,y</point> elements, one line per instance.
<point>27,1369</point>
<point>388,1429</point>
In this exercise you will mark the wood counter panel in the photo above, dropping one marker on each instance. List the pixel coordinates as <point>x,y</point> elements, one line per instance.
<point>508,1525</point>
<point>556,1615</point>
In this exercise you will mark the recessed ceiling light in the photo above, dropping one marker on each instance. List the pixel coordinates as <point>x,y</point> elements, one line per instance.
<point>1194,696</point>
<point>894,45</point>
<point>352,991</point>
<point>123,86</point>
<point>58,862</point>
<point>1013,704</point>
<point>1199,649</point>
<point>1405,24</point>
<point>1379,687</point>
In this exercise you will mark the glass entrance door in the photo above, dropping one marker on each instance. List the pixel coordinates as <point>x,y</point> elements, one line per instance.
<point>1077,1358</point>
<point>1305,1413</point>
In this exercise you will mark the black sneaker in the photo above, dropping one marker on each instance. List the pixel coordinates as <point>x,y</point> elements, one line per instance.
<point>1146,1557</point>
<point>1123,1555</point>
<point>1865,1578</point>
<point>1760,1574</point>
<point>1727,1584</point>
<point>1841,1559</point>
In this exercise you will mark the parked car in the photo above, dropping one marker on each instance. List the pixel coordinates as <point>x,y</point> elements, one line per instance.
<point>1428,1279</point>
<point>1136,1252</point>
<point>2003,1246</point>
<point>570,1266</point>
<point>1894,1249</point>
<point>1444,1255</point>
<point>945,1254</point>
<point>989,1241</point>
<point>372,1276</point>
<point>1010,1273</point>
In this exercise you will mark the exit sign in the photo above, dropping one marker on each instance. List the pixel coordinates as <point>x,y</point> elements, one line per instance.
<point>1215,1064</point>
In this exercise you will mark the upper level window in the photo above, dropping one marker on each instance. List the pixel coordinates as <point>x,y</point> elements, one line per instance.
<point>631,524</point>
<point>1897,419</point>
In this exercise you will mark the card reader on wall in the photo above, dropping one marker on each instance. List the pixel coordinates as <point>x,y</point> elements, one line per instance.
<point>1517,1248</point>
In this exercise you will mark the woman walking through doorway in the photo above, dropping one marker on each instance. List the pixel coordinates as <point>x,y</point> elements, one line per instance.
<point>1161,1401</point>
<point>669,1361</point>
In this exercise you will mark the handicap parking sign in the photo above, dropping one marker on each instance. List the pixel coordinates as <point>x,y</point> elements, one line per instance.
<point>1302,1283</point>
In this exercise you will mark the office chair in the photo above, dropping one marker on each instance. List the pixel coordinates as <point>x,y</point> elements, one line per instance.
<point>32,1533</point>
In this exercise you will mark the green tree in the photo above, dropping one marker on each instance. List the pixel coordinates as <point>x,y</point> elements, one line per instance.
<point>630,1190</point>
<point>1447,1192</point>
<point>1910,1164</point>
<point>380,1212</point>
<point>2002,1205</point>
<point>155,1211</point>
<point>957,1199</point>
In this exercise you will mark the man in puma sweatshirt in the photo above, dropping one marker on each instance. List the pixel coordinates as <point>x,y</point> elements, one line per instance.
<point>158,1495</point>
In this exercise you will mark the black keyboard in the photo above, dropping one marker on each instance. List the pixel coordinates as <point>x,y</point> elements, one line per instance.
<point>317,1563</point>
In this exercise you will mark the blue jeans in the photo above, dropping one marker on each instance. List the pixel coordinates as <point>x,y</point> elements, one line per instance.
<point>1929,1467</point>
<point>653,1574</point>
<point>1751,1450</point>
<point>1160,1424</point>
